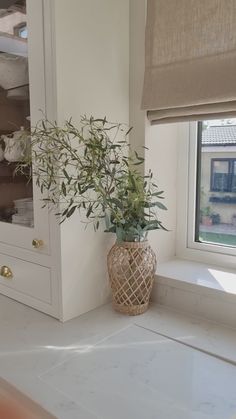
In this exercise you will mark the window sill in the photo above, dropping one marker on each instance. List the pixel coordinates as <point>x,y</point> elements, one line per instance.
<point>223,200</point>
<point>201,289</point>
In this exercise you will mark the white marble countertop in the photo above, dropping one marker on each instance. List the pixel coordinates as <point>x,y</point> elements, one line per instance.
<point>105,365</point>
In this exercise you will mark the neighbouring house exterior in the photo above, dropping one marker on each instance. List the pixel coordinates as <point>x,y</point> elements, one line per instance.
<point>218,172</point>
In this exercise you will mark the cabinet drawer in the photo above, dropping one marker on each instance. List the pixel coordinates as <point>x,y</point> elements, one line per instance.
<point>27,279</point>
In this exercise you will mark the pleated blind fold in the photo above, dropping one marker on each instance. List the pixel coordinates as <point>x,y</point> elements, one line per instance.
<point>190,71</point>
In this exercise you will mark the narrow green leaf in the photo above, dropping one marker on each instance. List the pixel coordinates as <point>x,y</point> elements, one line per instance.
<point>63,187</point>
<point>160,205</point>
<point>89,211</point>
<point>71,211</point>
<point>129,130</point>
<point>66,174</point>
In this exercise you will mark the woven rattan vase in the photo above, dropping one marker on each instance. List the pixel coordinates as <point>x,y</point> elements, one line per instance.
<point>131,268</point>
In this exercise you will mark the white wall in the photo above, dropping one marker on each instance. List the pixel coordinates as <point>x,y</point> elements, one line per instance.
<point>92,76</point>
<point>137,39</point>
<point>161,140</point>
<point>161,158</point>
<point>92,62</point>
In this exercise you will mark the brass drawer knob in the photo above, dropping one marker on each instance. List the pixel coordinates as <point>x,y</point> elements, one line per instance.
<point>36,243</point>
<point>6,272</point>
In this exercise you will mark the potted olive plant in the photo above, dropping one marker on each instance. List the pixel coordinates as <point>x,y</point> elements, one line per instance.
<point>206,216</point>
<point>94,170</point>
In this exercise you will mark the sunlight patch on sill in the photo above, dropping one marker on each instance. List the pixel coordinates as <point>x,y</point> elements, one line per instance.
<point>199,277</point>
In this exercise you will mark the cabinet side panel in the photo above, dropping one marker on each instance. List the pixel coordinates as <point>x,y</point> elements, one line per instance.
<point>92,60</point>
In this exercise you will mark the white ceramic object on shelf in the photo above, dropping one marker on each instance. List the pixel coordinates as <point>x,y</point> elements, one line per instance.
<point>16,145</point>
<point>1,153</point>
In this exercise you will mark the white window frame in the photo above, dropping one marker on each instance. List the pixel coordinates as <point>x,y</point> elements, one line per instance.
<point>186,246</point>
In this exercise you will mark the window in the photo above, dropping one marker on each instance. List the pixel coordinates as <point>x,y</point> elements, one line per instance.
<point>215,220</point>
<point>21,30</point>
<point>223,175</point>
<point>206,219</point>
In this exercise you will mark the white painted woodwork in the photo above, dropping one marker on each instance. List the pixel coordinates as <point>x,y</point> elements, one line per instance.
<point>92,68</point>
<point>30,279</point>
<point>78,63</point>
<point>186,247</point>
<point>22,236</point>
<point>36,272</point>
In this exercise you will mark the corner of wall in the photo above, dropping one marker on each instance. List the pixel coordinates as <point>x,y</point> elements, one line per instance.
<point>161,140</point>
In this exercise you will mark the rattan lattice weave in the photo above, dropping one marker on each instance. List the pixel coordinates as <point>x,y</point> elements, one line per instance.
<point>131,267</point>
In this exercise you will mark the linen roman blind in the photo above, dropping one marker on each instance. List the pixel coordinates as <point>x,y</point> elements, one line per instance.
<point>190,60</point>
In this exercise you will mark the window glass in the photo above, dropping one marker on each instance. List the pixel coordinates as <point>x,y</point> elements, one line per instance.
<point>23,32</point>
<point>216,183</point>
<point>220,175</point>
<point>16,191</point>
<point>234,178</point>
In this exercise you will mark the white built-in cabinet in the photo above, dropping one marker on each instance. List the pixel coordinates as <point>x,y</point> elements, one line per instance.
<point>78,63</point>
<point>29,235</point>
